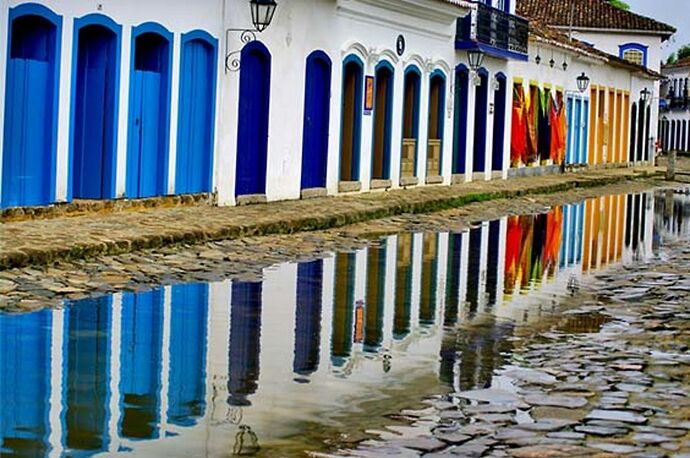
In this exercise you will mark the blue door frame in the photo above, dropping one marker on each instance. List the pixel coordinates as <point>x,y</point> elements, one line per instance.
<point>499,123</point>
<point>351,118</point>
<point>383,108</point>
<point>31,106</point>
<point>252,130</point>
<point>94,110</point>
<point>197,113</point>
<point>317,105</point>
<point>149,111</point>
<point>462,77</point>
<point>481,102</point>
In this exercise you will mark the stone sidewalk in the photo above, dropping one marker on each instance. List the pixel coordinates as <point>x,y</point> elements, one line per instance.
<point>40,242</point>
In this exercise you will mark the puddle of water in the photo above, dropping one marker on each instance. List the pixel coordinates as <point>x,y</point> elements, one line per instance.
<point>317,351</point>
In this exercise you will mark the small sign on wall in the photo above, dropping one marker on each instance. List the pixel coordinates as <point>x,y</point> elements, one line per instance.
<point>368,95</point>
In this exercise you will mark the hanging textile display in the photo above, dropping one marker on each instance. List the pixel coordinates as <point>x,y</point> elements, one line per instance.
<point>544,124</point>
<point>532,124</point>
<point>558,129</point>
<point>518,137</point>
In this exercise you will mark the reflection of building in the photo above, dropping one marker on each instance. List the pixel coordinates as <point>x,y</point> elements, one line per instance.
<point>172,365</point>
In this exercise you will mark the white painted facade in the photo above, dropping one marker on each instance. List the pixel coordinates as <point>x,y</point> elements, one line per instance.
<point>367,29</point>
<point>674,122</point>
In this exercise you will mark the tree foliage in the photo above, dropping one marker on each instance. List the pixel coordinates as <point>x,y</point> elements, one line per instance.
<point>620,4</point>
<point>684,52</point>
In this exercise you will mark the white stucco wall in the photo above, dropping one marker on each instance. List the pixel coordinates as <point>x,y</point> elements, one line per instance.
<point>610,41</point>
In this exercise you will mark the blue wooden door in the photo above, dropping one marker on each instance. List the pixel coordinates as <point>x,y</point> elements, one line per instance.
<point>499,126</point>
<point>460,122</point>
<point>571,152</point>
<point>145,136</point>
<point>585,131</point>
<point>94,146</point>
<point>480,114</point>
<point>578,131</point>
<point>196,119</point>
<point>317,100</point>
<point>28,159</point>
<point>252,131</point>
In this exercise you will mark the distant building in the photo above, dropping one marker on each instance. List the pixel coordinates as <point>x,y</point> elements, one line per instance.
<point>674,104</point>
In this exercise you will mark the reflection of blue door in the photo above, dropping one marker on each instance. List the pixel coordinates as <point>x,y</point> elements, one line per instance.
<point>316,120</point>
<point>28,166</point>
<point>196,116</point>
<point>148,116</point>
<point>308,317</point>
<point>252,129</point>
<point>95,119</point>
<point>187,378</point>
<point>87,391</point>
<point>140,364</point>
<point>245,341</point>
<point>24,384</point>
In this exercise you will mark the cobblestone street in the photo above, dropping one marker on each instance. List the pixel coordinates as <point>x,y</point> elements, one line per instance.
<point>606,377</point>
<point>43,241</point>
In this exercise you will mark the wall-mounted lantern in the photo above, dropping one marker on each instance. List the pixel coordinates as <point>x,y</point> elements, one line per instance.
<point>475,57</point>
<point>582,82</point>
<point>645,94</point>
<point>565,66</point>
<point>262,15</point>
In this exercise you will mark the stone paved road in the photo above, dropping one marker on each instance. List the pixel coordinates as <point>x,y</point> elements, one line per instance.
<point>610,377</point>
<point>35,242</point>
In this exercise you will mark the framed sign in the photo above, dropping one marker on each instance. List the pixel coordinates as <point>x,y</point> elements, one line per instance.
<point>368,94</point>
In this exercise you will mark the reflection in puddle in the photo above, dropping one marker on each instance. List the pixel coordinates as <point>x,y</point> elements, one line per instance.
<point>241,367</point>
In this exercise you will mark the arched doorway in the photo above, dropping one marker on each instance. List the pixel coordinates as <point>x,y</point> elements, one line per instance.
<point>317,97</point>
<point>481,104</point>
<point>437,107</point>
<point>252,130</point>
<point>499,123</point>
<point>462,78</point>
<point>149,112</point>
<point>31,106</point>
<point>383,119</point>
<point>95,107</point>
<point>408,159</point>
<point>197,110</point>
<point>351,118</point>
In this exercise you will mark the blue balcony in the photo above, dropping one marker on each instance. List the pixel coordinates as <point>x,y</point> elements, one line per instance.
<point>495,32</point>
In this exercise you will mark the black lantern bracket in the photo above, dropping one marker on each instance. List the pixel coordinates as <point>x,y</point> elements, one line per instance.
<point>262,12</point>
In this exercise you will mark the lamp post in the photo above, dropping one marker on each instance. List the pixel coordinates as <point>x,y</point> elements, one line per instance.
<point>582,82</point>
<point>262,12</point>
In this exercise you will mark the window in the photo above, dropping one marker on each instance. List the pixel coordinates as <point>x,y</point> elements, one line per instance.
<point>634,56</point>
<point>634,52</point>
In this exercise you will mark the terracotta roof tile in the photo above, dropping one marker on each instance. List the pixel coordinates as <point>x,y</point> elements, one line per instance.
<point>591,14</point>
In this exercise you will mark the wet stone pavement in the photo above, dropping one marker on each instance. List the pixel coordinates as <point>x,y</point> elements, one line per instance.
<point>608,377</point>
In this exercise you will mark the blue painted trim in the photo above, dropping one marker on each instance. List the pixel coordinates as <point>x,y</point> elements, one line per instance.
<point>35,9</point>
<point>388,119</point>
<point>152,27</point>
<point>417,108</point>
<point>438,73</point>
<point>213,43</point>
<point>463,45</point>
<point>635,46</point>
<point>80,23</point>
<point>357,128</point>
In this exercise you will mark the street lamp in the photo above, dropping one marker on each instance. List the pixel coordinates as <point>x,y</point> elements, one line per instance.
<point>644,95</point>
<point>475,57</point>
<point>262,13</point>
<point>582,82</point>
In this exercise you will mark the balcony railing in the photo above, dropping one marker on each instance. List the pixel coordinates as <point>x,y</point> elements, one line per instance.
<point>495,32</point>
